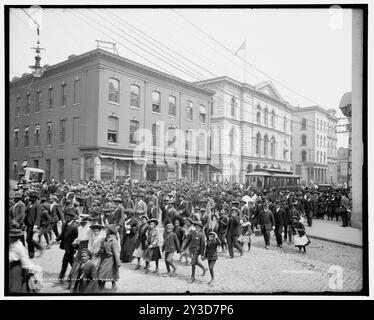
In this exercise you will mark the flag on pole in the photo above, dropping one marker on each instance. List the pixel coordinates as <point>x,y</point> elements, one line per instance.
<point>242,48</point>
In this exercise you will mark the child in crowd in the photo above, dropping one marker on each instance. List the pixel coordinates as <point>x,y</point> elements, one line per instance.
<point>86,280</point>
<point>245,237</point>
<point>301,240</point>
<point>211,253</point>
<point>152,252</point>
<point>170,245</point>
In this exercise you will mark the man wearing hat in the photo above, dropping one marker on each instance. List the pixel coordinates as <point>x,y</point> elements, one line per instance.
<point>196,243</point>
<point>152,210</point>
<point>267,223</point>
<point>17,213</point>
<point>128,203</point>
<point>56,214</point>
<point>140,206</point>
<point>69,232</point>
<point>184,206</point>
<point>171,212</point>
<point>119,215</point>
<point>234,231</point>
<point>32,220</point>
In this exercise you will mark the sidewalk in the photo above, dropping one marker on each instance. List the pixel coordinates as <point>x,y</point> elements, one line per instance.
<point>332,231</point>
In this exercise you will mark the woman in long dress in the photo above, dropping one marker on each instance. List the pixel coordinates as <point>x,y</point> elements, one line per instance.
<point>109,263</point>
<point>140,240</point>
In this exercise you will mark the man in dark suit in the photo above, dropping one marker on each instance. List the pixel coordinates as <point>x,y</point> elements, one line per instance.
<point>32,221</point>
<point>17,214</point>
<point>279,214</point>
<point>56,214</point>
<point>267,223</point>
<point>233,232</point>
<point>183,206</point>
<point>310,209</point>
<point>69,233</point>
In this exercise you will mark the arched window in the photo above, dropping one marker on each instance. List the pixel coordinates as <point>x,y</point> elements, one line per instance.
<point>249,168</point>
<point>258,167</point>
<point>112,129</point>
<point>258,143</point>
<point>273,119</point>
<point>135,96</point>
<point>303,156</point>
<point>324,157</point>
<point>232,140</point>
<point>303,124</point>
<point>156,101</point>
<point>266,116</point>
<point>272,147</point>
<point>266,143</point>
<point>114,90</point>
<point>233,106</point>
<point>320,141</point>
<point>303,139</point>
<point>258,114</point>
<point>317,140</point>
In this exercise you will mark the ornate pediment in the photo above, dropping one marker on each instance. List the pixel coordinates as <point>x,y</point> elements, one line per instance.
<point>269,89</point>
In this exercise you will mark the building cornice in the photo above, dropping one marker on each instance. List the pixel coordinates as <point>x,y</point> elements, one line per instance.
<point>102,54</point>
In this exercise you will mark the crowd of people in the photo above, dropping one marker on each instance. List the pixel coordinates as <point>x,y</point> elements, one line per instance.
<point>101,224</point>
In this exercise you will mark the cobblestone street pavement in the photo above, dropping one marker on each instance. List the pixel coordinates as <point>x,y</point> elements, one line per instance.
<point>257,271</point>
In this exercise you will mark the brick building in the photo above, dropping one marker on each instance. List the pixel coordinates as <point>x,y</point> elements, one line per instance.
<point>81,120</point>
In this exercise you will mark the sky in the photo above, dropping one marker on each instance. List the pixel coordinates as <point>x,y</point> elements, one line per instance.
<point>305,50</point>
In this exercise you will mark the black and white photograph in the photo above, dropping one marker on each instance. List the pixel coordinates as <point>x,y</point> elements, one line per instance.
<point>180,150</point>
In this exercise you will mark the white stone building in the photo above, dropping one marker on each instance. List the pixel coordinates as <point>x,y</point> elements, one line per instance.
<point>250,128</point>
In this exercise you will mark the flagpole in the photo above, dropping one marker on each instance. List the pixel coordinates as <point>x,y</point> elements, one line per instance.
<point>245,57</point>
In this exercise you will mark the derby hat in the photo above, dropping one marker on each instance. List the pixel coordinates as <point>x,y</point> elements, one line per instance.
<point>117,199</point>
<point>153,220</point>
<point>17,195</point>
<point>144,217</point>
<point>97,226</point>
<point>34,194</point>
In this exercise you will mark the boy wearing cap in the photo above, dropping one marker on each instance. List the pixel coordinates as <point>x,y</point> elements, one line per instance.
<point>211,253</point>
<point>170,245</point>
<point>196,243</point>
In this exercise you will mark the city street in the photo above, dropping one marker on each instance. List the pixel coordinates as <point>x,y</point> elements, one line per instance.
<point>260,271</point>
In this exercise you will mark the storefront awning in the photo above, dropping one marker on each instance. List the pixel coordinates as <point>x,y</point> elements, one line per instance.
<point>122,158</point>
<point>213,168</point>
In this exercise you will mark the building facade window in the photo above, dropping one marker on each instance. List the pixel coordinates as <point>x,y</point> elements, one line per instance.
<point>76,96</point>
<point>50,98</point>
<point>266,116</point>
<point>189,110</point>
<point>61,171</point>
<point>211,109</point>
<point>272,147</point>
<point>134,126</point>
<point>62,130</point>
<point>273,119</point>
<point>303,140</point>
<point>233,106</point>
<point>75,129</point>
<point>114,90</point>
<point>36,163</point>
<point>232,141</point>
<point>258,115</point>
<point>156,102</point>
<point>258,143</point>
<point>201,142</point>
<point>171,137</point>
<point>324,142</point>
<point>48,169</point>
<point>317,160</point>
<point>303,124</point>
<point>49,133</point>
<point>266,143</point>
<point>26,138</point>
<point>172,106</point>
<point>37,134</point>
<point>112,129</point>
<point>63,95</point>
<point>38,100</point>
<point>188,145</point>
<point>317,140</point>
<point>28,103</point>
<point>18,105</point>
<point>135,96</point>
<point>285,124</point>
<point>202,114</point>
<point>303,156</point>
<point>16,137</point>
<point>156,135</point>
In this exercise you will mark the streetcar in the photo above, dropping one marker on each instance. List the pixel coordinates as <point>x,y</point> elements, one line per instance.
<point>269,178</point>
